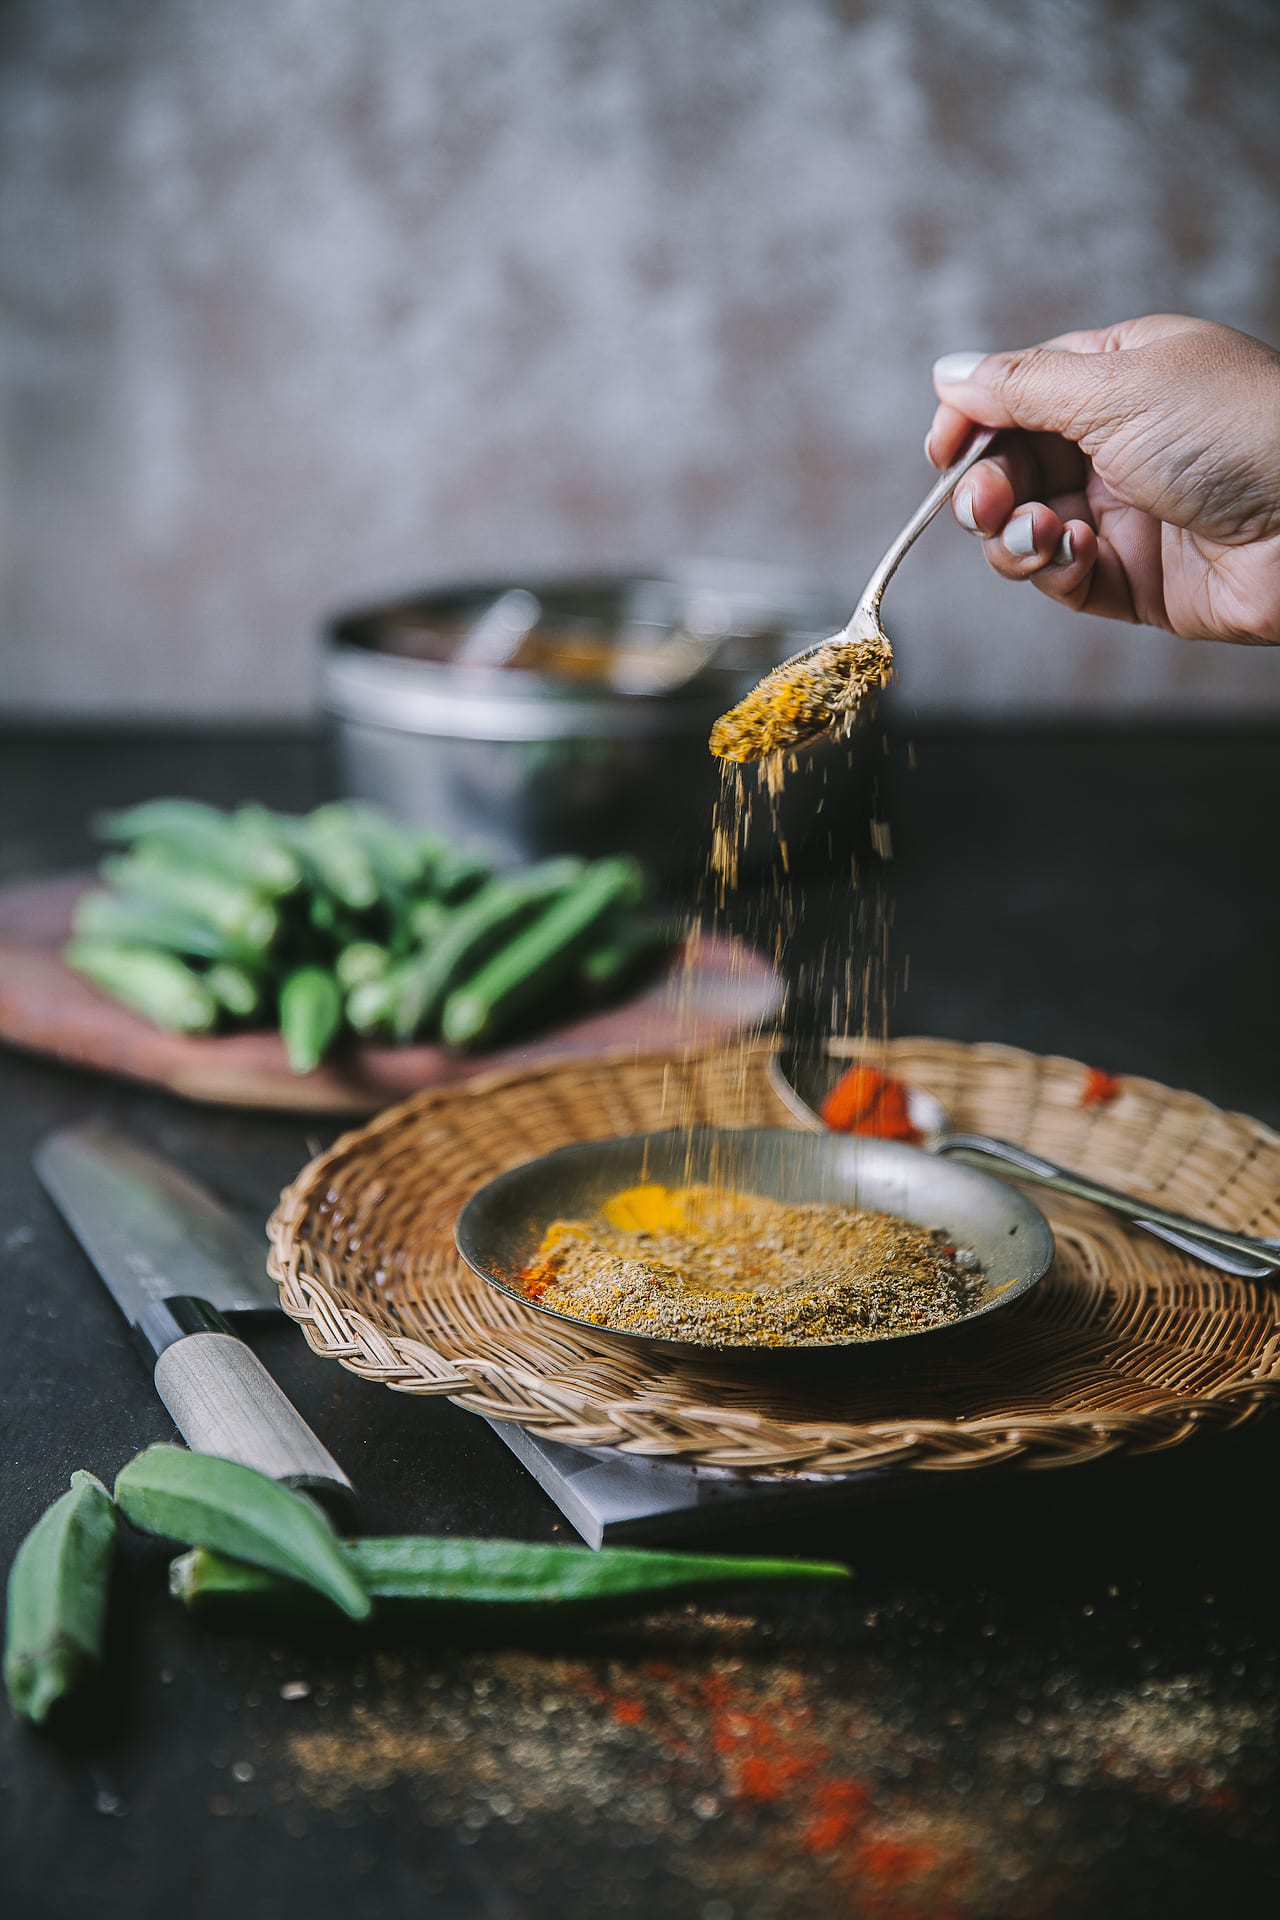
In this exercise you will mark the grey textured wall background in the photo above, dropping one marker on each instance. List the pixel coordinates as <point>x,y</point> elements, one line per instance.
<point>304,301</point>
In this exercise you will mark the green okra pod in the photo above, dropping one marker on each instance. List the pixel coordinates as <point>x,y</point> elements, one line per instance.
<point>622,955</point>
<point>362,960</point>
<point>160,819</point>
<point>329,857</point>
<point>265,851</point>
<point>418,986</point>
<point>457,876</point>
<point>236,989</point>
<point>57,1601</point>
<point>231,904</point>
<point>326,916</point>
<point>342,863</point>
<point>204,1501</point>
<point>368,1007</point>
<point>507,1581</point>
<point>427,920</point>
<point>157,985</point>
<point>103,915</point>
<point>396,852</point>
<point>310,1016</point>
<point>192,831</point>
<point>431,849</point>
<point>540,955</point>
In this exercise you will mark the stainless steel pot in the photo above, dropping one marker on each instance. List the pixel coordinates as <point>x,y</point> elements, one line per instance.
<point>525,760</point>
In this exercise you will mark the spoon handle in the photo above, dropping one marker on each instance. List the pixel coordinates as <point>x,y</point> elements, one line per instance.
<point>1198,1237</point>
<point>502,629</point>
<point>1244,1269</point>
<point>938,495</point>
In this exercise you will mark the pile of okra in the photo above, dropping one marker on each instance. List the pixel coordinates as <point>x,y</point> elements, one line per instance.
<point>343,921</point>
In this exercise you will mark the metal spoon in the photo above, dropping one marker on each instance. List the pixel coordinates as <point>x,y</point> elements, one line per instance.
<point>824,685</point>
<point>685,653</point>
<point>497,636</point>
<point>1237,1253</point>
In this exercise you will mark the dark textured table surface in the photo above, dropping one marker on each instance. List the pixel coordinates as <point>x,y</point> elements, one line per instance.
<point>1042,1695</point>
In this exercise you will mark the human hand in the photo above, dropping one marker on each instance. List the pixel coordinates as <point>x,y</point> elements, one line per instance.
<point>1143,482</point>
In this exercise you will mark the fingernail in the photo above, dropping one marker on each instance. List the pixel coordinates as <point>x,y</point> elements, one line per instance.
<point>1020,536</point>
<point>953,368</point>
<point>928,446</point>
<point>964,510</point>
<point>1064,552</point>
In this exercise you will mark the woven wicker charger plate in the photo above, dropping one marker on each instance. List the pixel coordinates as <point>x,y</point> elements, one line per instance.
<point>1124,1344</point>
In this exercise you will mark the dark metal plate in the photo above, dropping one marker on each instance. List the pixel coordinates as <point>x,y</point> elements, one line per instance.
<point>501,1226</point>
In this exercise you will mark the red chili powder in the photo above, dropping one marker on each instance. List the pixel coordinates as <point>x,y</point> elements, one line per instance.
<point>1099,1088</point>
<point>866,1101</point>
<point>840,1809</point>
<point>895,1862</point>
<point>778,1760</point>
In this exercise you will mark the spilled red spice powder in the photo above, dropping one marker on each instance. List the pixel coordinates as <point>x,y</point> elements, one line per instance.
<point>895,1862</point>
<point>819,1791</point>
<point>1099,1088</point>
<point>840,1809</point>
<point>773,1760</point>
<point>866,1101</point>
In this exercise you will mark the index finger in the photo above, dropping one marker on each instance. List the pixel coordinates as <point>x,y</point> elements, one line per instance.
<point>1123,333</point>
<point>948,435</point>
<point>1085,340</point>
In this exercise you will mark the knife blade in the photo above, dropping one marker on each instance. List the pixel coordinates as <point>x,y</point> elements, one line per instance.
<point>175,1262</point>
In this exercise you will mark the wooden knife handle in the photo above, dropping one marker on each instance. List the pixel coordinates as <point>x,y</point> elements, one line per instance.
<point>223,1401</point>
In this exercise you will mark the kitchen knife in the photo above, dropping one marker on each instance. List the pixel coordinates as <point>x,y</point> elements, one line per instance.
<point>176,1262</point>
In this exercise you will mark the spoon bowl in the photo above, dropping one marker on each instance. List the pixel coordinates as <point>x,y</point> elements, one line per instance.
<point>821,689</point>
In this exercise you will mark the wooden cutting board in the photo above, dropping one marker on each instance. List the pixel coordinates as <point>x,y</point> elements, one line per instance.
<point>47,1009</point>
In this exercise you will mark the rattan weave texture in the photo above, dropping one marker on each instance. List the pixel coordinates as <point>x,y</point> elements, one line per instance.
<point>1125,1344</point>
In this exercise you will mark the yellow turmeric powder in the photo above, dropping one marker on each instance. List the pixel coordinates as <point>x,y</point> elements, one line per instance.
<point>648,1209</point>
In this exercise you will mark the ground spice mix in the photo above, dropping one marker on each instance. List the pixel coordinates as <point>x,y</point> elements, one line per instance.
<point>722,1268</point>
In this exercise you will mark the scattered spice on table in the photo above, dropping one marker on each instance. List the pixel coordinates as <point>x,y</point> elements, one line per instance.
<point>802,1786</point>
<point>724,1268</point>
<point>865,1100</point>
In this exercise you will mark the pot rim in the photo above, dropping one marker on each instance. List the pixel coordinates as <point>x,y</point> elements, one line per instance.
<point>362,684</point>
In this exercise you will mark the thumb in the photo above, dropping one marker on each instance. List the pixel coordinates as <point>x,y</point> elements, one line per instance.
<point>1043,389</point>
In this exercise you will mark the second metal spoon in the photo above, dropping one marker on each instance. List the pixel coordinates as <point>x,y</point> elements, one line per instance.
<point>1238,1253</point>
